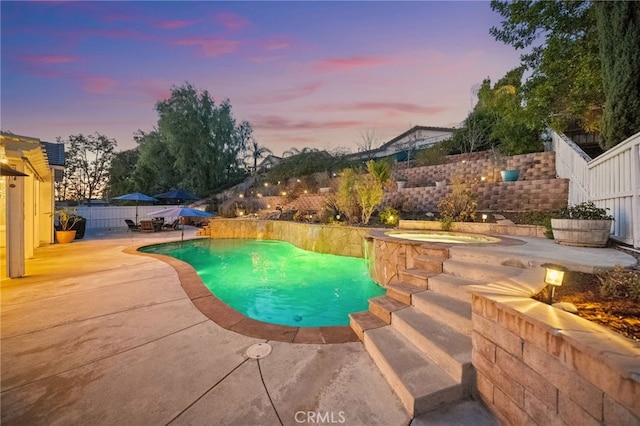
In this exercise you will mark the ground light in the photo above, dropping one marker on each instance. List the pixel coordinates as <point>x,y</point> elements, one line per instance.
<point>553,278</point>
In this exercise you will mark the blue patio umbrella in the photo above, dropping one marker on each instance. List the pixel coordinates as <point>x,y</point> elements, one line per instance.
<point>179,195</point>
<point>181,212</point>
<point>136,196</point>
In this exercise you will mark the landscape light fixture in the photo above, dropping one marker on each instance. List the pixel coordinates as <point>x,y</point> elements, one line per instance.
<point>553,277</point>
<point>484,217</point>
<point>483,178</point>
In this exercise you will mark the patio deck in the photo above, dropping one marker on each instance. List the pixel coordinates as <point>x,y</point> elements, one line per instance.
<point>93,335</point>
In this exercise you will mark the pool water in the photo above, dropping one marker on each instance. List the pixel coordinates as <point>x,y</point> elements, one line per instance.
<point>276,282</point>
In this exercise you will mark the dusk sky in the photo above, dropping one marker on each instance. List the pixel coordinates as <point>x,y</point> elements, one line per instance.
<point>304,74</point>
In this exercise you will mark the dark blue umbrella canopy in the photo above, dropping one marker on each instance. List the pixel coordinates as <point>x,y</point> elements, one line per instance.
<point>181,212</point>
<point>177,194</point>
<point>135,196</point>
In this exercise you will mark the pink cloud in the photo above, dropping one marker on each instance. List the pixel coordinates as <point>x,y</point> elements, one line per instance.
<point>49,59</point>
<point>210,47</point>
<point>273,122</point>
<point>283,95</point>
<point>341,64</point>
<point>396,107</point>
<point>99,85</point>
<point>173,25</point>
<point>275,44</point>
<point>155,89</point>
<point>231,20</point>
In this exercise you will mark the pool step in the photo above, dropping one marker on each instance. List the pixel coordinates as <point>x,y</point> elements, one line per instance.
<point>384,306</point>
<point>416,277</point>
<point>451,286</point>
<point>360,322</point>
<point>434,251</point>
<point>483,272</point>
<point>402,292</point>
<point>444,344</point>
<point>428,263</point>
<point>446,310</point>
<point>418,381</point>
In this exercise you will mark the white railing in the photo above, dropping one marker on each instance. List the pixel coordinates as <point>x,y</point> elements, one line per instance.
<point>571,163</point>
<point>611,180</point>
<point>114,216</point>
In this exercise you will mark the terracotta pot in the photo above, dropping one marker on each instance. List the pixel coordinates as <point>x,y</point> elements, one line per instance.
<point>581,232</point>
<point>64,237</point>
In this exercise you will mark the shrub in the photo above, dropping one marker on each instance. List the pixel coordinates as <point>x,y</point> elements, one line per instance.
<point>620,283</point>
<point>389,216</point>
<point>586,210</point>
<point>381,170</point>
<point>459,206</point>
<point>346,199</point>
<point>369,194</point>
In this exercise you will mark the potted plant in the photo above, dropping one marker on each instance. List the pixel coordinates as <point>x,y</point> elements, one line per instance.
<point>500,162</point>
<point>584,225</point>
<point>67,220</point>
<point>401,181</point>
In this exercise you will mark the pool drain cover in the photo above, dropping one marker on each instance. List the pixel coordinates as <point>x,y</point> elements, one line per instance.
<point>259,350</point>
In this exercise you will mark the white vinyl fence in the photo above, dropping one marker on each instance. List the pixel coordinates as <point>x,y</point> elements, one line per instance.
<point>611,180</point>
<point>114,216</point>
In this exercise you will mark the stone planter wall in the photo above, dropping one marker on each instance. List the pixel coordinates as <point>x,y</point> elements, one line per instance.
<point>328,239</point>
<point>538,365</point>
<point>477,228</point>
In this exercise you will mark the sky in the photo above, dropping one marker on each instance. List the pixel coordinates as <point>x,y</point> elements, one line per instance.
<point>314,74</point>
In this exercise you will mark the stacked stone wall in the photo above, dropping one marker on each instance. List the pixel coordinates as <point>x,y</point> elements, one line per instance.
<point>538,365</point>
<point>533,195</point>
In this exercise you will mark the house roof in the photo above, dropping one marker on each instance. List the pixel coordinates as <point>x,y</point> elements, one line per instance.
<point>55,153</point>
<point>412,130</point>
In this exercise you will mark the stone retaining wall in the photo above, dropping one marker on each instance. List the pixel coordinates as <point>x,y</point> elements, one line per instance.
<point>537,195</point>
<point>328,239</point>
<point>538,365</point>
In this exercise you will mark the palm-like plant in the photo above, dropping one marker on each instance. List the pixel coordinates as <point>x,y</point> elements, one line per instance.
<point>257,152</point>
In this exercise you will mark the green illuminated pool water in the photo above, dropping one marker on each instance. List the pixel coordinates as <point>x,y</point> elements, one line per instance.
<point>276,282</point>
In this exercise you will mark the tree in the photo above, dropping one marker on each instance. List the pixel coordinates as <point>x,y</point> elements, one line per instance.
<point>561,41</point>
<point>256,152</point>
<point>369,141</point>
<point>123,166</point>
<point>369,194</point>
<point>202,137</point>
<point>87,162</point>
<point>155,169</point>
<point>346,199</point>
<point>619,35</point>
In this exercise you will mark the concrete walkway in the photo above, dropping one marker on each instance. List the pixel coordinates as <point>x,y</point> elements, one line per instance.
<point>95,336</point>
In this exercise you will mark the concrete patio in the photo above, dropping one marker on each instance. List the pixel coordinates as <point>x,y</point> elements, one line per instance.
<point>93,335</point>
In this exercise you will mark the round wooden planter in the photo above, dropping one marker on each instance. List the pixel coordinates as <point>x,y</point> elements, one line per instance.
<point>63,237</point>
<point>581,232</point>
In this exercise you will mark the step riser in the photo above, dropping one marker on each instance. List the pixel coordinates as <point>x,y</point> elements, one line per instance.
<point>460,323</point>
<point>428,265</point>
<point>360,322</point>
<point>449,290</point>
<point>475,272</point>
<point>417,281</point>
<point>442,253</point>
<point>459,371</point>
<point>400,296</point>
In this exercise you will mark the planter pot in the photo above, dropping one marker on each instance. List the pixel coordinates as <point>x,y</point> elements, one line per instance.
<point>510,175</point>
<point>581,232</point>
<point>440,184</point>
<point>64,237</point>
<point>401,184</point>
<point>325,189</point>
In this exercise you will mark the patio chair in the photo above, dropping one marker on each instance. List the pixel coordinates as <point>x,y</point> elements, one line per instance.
<point>132,226</point>
<point>172,226</point>
<point>146,226</point>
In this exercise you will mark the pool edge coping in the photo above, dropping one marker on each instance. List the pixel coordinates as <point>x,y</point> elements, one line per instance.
<point>230,319</point>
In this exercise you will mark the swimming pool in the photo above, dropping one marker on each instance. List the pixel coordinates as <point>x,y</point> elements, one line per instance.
<point>443,237</point>
<point>276,282</point>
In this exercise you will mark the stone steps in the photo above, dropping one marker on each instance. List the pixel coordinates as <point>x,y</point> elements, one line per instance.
<point>360,322</point>
<point>428,263</point>
<point>483,272</point>
<point>384,306</point>
<point>455,313</point>
<point>416,277</point>
<point>418,381</point>
<point>445,345</point>
<point>402,292</point>
<point>451,286</point>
